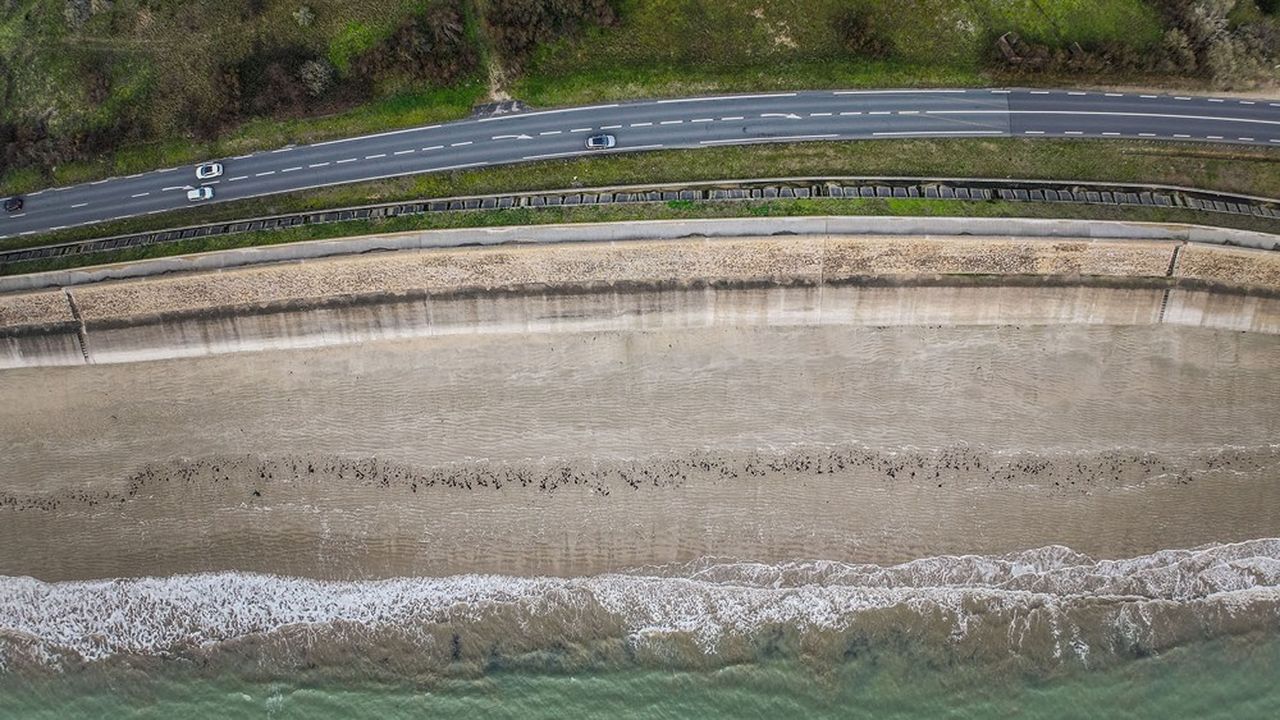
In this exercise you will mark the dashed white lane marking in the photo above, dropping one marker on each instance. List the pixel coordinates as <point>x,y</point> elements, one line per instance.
<point>880,112</point>
<point>460,144</point>
<point>1076,93</point>
<point>1073,132</point>
<point>579,130</point>
<point>770,139</point>
<point>1274,140</point>
<point>375,157</point>
<point>34,193</point>
<point>1146,134</point>
<point>851,112</point>
<point>173,187</point>
<point>292,169</point>
<point>429,148</point>
<point>347,160</point>
<point>695,120</point>
<point>214,182</point>
<point>819,114</point>
<point>1214,137</point>
<point>156,212</point>
<point>1247,139</point>
<point>238,177</point>
<point>283,149</point>
<point>1149,97</point>
<point>58,227</point>
<point>1181,97</point>
<point>1180,135</point>
<point>99,182</point>
<point>551,132</point>
<point>668,122</point>
<point>1039,92</point>
<point>138,195</point>
<point>263,174</point>
<point>26,232</point>
<point>615,127</point>
<point>1274,104</point>
<point>135,175</point>
<point>1247,102</point>
<point>942,132</point>
<point>316,165</point>
<point>641,124</point>
<point>1034,132</point>
<point>1114,94</point>
<point>908,112</point>
<point>1111,134</point>
<point>79,205</point>
<point>1216,100</point>
<point>404,152</point>
<point>732,118</point>
<point>1001,92</point>
<point>722,97</point>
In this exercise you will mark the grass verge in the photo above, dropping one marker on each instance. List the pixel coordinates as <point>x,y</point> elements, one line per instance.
<point>1224,168</point>
<point>674,210</point>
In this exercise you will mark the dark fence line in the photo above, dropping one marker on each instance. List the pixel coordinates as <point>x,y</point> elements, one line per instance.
<point>789,188</point>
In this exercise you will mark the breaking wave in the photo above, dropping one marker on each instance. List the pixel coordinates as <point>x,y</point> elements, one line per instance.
<point>1048,605</point>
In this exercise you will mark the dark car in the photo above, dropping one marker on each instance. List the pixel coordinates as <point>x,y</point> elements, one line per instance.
<point>13,204</point>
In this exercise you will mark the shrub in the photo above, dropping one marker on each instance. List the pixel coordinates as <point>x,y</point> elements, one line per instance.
<point>519,26</point>
<point>316,76</point>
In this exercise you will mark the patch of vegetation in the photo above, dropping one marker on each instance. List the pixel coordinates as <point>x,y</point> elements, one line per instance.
<point>83,79</point>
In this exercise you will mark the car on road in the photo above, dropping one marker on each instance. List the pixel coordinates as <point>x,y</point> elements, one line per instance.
<point>604,141</point>
<point>204,192</point>
<point>13,204</point>
<point>208,170</point>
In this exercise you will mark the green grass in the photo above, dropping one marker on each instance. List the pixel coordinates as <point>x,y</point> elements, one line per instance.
<point>1228,169</point>
<point>669,47</point>
<point>653,211</point>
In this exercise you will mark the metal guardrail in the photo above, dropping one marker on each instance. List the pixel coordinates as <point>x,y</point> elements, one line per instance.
<point>1112,194</point>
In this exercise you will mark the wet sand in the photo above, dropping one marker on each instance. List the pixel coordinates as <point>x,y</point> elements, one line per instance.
<point>383,459</point>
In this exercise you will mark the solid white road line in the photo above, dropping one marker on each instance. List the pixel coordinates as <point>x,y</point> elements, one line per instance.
<point>724,97</point>
<point>783,138</point>
<point>382,134</point>
<point>1105,113</point>
<point>496,118</point>
<point>944,132</point>
<point>897,92</point>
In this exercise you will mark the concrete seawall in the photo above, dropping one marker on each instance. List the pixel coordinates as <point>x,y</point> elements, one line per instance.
<point>634,285</point>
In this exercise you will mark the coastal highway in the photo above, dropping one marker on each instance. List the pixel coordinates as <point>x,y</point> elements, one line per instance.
<point>701,122</point>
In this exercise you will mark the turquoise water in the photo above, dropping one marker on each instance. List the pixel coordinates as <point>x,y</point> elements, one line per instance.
<point>1227,678</point>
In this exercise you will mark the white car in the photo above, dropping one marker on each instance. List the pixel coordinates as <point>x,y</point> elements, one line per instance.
<point>601,142</point>
<point>203,192</point>
<point>208,170</point>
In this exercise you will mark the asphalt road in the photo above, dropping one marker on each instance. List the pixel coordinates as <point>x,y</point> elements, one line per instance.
<point>651,125</point>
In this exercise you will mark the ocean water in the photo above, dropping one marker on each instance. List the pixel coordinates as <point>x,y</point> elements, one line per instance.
<point>1046,632</point>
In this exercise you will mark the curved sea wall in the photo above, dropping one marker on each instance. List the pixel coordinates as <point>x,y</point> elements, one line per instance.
<point>638,284</point>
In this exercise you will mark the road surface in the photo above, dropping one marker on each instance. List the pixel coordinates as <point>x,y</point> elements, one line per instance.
<point>659,124</point>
